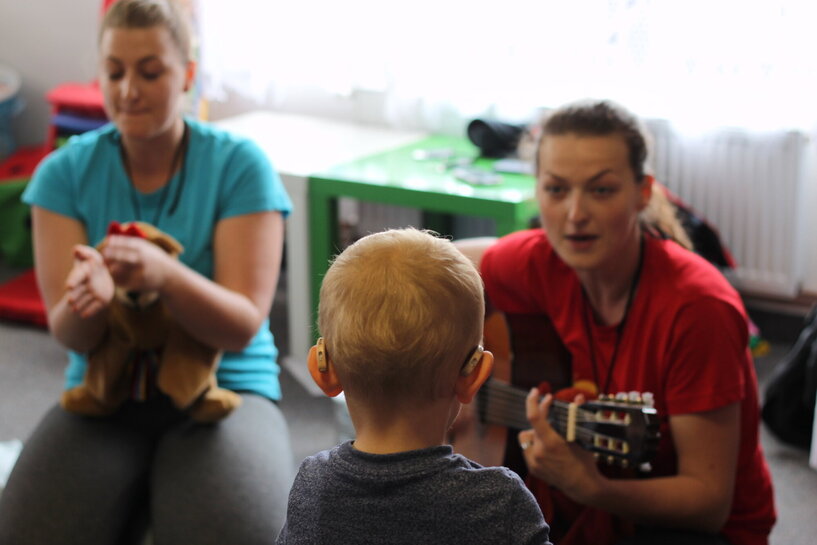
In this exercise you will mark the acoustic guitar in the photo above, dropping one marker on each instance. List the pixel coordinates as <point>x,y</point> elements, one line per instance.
<point>622,429</point>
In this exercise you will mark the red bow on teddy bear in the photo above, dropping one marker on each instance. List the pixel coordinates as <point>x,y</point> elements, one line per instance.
<point>132,230</point>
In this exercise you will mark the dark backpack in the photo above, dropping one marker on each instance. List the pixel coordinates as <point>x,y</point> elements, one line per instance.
<point>789,397</point>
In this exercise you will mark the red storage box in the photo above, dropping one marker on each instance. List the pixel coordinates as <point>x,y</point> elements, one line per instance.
<point>21,164</point>
<point>77,96</point>
<point>20,300</point>
<point>82,100</point>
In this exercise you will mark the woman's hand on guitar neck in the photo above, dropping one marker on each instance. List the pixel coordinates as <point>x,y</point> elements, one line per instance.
<point>550,458</point>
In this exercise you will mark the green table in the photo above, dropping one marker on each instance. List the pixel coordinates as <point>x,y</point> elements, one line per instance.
<point>395,177</point>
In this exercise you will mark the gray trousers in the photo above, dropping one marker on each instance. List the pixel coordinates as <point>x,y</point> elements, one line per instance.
<point>98,480</point>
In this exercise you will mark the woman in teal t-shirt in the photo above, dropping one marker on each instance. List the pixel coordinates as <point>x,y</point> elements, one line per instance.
<point>81,479</point>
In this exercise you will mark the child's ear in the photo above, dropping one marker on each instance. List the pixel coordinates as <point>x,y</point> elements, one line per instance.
<point>467,386</point>
<point>323,373</point>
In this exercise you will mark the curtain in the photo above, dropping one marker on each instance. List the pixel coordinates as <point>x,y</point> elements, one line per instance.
<point>701,69</point>
<point>434,63</point>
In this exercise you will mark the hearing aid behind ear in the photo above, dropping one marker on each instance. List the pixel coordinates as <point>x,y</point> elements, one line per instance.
<point>473,360</point>
<point>323,365</point>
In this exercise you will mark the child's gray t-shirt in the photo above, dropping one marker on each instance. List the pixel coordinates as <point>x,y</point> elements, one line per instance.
<point>430,495</point>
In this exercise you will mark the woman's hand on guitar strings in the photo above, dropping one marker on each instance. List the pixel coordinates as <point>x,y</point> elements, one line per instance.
<point>550,458</point>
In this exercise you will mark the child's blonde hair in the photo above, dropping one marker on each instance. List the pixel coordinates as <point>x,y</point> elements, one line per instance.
<point>400,311</point>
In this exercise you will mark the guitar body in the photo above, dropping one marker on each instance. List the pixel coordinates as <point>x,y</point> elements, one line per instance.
<point>485,443</point>
<point>527,351</point>
<point>622,430</point>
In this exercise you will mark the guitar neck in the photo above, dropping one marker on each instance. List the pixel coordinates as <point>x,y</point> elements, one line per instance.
<point>528,350</point>
<point>624,430</point>
<point>504,405</point>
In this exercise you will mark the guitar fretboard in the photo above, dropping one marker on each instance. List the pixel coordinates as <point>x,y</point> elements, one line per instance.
<point>504,405</point>
<point>617,429</point>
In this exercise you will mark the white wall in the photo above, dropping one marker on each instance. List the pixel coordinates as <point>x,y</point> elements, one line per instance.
<point>47,42</point>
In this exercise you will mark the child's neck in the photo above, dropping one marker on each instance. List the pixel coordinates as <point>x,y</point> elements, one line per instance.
<point>388,432</point>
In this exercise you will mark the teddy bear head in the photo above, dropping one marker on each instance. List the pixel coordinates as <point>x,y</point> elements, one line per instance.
<point>144,299</point>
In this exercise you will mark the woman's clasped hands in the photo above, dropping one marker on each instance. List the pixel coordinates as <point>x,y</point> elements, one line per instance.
<point>129,263</point>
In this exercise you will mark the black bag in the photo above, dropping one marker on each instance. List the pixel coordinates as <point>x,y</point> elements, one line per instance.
<point>494,139</point>
<point>705,240</point>
<point>788,405</point>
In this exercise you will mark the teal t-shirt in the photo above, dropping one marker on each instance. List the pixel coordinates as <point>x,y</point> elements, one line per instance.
<point>223,175</point>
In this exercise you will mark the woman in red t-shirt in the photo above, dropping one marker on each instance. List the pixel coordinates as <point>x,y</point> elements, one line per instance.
<point>636,311</point>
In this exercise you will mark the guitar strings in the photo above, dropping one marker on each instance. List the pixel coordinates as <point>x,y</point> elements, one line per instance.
<point>512,407</point>
<point>560,423</point>
<point>509,402</point>
<point>506,406</point>
<point>507,394</point>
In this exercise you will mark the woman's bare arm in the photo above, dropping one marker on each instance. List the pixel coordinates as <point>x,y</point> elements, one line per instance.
<point>473,248</point>
<point>227,311</point>
<point>699,497</point>
<point>75,291</point>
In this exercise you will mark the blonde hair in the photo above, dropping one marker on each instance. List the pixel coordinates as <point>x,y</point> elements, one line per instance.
<point>400,310</point>
<point>662,216</point>
<point>148,14</point>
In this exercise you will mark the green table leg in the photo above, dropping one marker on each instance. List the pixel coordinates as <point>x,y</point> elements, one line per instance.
<point>323,244</point>
<point>520,220</point>
<point>439,223</point>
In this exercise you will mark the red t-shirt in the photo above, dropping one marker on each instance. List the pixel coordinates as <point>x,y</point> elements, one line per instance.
<point>685,340</point>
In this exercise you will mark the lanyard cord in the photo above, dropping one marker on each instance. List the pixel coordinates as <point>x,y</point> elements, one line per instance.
<point>619,329</point>
<point>177,156</point>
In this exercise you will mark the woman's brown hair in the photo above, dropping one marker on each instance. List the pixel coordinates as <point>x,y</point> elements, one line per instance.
<point>148,14</point>
<point>604,118</point>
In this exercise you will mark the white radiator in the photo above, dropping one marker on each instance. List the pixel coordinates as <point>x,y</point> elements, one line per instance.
<point>375,217</point>
<point>749,187</point>
<point>370,217</point>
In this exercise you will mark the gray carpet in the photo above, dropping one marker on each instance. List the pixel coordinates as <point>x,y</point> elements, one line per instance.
<point>31,366</point>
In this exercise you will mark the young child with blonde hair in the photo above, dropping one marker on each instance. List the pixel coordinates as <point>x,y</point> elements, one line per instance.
<point>401,314</point>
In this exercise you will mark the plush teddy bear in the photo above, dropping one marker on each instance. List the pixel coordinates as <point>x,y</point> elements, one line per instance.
<point>142,341</point>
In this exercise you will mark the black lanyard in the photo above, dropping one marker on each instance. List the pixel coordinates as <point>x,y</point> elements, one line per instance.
<point>619,329</point>
<point>137,208</point>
